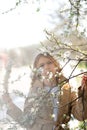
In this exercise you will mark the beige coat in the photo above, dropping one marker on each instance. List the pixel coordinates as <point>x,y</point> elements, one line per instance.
<point>42,109</point>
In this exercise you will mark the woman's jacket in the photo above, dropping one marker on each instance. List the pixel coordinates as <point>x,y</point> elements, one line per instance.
<point>38,108</point>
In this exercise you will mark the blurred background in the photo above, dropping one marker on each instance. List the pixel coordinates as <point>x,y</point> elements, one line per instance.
<point>28,27</point>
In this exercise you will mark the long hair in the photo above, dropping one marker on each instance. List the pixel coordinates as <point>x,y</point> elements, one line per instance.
<point>35,64</point>
<point>46,54</point>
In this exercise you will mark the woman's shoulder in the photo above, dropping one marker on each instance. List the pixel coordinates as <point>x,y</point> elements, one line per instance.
<point>35,88</point>
<point>68,90</point>
<point>66,86</point>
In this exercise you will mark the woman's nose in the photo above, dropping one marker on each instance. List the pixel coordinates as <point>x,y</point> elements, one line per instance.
<point>46,67</point>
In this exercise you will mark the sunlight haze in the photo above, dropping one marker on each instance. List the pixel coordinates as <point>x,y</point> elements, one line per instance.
<point>24,25</point>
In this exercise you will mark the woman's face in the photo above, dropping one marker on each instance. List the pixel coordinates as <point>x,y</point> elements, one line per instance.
<point>47,68</point>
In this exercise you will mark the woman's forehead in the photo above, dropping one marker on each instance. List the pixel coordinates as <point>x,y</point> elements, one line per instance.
<point>43,59</point>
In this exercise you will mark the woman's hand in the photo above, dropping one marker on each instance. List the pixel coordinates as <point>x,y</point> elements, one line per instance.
<point>84,82</point>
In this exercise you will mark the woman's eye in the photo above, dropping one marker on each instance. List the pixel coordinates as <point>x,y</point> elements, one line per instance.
<point>49,62</point>
<point>41,66</point>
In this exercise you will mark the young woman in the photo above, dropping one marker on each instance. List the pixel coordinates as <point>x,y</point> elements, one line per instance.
<point>50,102</point>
